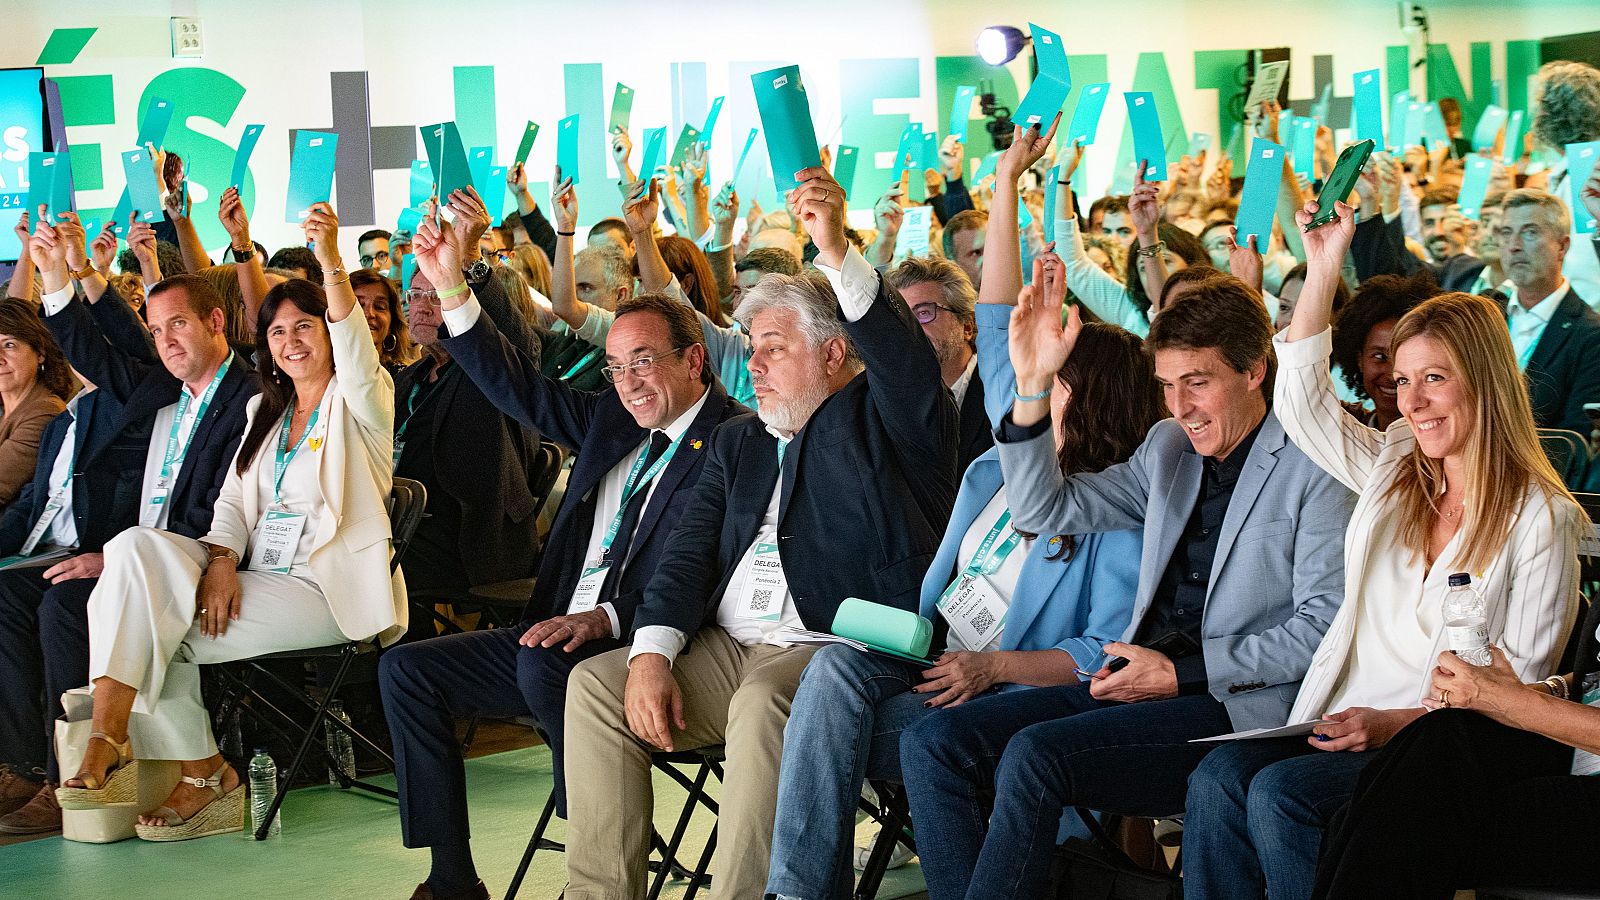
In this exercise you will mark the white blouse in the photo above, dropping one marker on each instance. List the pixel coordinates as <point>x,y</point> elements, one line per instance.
<point>1381,646</point>
<point>300,492</point>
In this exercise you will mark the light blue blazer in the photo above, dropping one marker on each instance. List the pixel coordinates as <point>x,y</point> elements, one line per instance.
<point>1075,605</point>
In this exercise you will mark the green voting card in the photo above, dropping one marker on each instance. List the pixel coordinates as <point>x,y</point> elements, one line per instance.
<point>621,108</point>
<point>749,141</point>
<point>930,150</point>
<point>410,219</point>
<point>910,149</point>
<point>1148,146</point>
<point>1052,184</point>
<point>1580,167</point>
<point>157,118</point>
<point>1368,107</point>
<point>479,161</point>
<point>1475,185</point>
<point>310,173</point>
<point>961,111</point>
<point>785,112</point>
<point>1513,148</point>
<point>241,157</point>
<point>421,188</point>
<point>1258,202</point>
<point>144,194</point>
<point>1489,125</point>
<point>1086,115</point>
<point>567,148</point>
<point>526,147</point>
<point>686,141</point>
<point>711,121</point>
<point>655,151</point>
<point>50,184</point>
<point>447,158</point>
<point>1051,86</point>
<point>990,164</point>
<point>844,167</point>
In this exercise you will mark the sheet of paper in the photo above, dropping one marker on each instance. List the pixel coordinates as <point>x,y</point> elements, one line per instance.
<point>1254,734</point>
<point>310,173</point>
<point>526,147</point>
<point>1268,81</point>
<point>785,112</point>
<point>844,167</point>
<point>1367,107</point>
<point>1489,125</point>
<point>241,157</point>
<point>961,111</point>
<point>1052,184</point>
<point>621,109</point>
<point>930,151</point>
<point>1051,86</point>
<point>1319,109</point>
<point>144,194</point>
<point>31,561</point>
<point>1434,131</point>
<point>1474,185</point>
<point>1199,142</point>
<point>1086,115</point>
<point>914,231</point>
<point>1580,166</point>
<point>1258,201</point>
<point>1148,144</point>
<point>567,147</point>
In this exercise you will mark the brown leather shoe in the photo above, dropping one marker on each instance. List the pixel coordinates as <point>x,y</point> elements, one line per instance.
<point>425,891</point>
<point>41,815</point>
<point>15,790</point>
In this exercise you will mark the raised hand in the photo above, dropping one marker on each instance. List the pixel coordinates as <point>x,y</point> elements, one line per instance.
<point>1220,185</point>
<point>1070,159</point>
<point>642,207</point>
<point>1326,245</point>
<point>1244,261</point>
<point>469,220</point>
<point>142,241</point>
<point>230,212</point>
<point>1267,124</point>
<point>564,204</point>
<point>1144,207</point>
<point>621,147</point>
<point>438,258</point>
<point>725,208</point>
<point>952,158</point>
<point>932,182</point>
<point>322,233</point>
<point>1039,343</point>
<point>103,249</point>
<point>69,230</point>
<point>1028,146</point>
<point>820,207</point>
<point>49,251</point>
<point>1591,194</point>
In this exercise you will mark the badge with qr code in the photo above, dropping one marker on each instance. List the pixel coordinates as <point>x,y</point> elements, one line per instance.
<point>765,586</point>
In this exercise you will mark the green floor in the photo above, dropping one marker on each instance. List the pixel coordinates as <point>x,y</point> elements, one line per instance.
<point>340,844</point>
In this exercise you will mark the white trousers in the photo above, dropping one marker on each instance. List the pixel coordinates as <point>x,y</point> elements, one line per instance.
<point>143,633</point>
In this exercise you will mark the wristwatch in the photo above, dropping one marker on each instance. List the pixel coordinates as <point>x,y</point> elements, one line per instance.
<point>478,271</point>
<point>243,256</point>
<point>87,270</point>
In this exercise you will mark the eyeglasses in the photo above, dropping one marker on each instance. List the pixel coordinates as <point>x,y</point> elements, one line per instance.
<point>503,255</point>
<point>375,260</point>
<point>927,312</point>
<point>419,297</point>
<point>640,367</point>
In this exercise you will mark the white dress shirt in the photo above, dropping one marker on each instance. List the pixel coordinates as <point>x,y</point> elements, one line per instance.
<point>855,284</point>
<point>958,391</point>
<point>63,529</point>
<point>1527,325</point>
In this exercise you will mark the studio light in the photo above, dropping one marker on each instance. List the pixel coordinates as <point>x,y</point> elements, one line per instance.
<point>1000,44</point>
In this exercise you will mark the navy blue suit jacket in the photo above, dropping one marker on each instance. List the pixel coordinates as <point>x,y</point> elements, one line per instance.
<point>601,430</point>
<point>109,344</point>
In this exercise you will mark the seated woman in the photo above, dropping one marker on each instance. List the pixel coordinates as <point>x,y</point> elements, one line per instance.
<point>1020,611</point>
<point>1460,486</point>
<point>1496,755</point>
<point>1362,334</point>
<point>380,305</point>
<point>305,504</point>
<point>35,384</point>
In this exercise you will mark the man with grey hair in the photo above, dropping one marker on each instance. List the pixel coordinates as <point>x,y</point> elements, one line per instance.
<point>840,487</point>
<point>1566,110</point>
<point>1554,332</point>
<point>603,274</point>
<point>942,300</point>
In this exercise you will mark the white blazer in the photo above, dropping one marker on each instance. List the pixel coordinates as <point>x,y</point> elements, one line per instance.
<point>351,553</point>
<point>1531,588</point>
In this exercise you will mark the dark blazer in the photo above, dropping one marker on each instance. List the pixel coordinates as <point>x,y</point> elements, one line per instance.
<point>1379,248</point>
<point>1564,372</point>
<point>976,434</point>
<point>868,485</point>
<point>109,344</point>
<point>601,430</point>
<point>105,495</point>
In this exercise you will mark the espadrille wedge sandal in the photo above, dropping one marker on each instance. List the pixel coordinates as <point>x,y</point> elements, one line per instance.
<point>225,813</point>
<point>119,786</point>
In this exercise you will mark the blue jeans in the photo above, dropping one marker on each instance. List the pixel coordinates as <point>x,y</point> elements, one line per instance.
<point>1255,815</point>
<point>844,727</point>
<point>1040,751</point>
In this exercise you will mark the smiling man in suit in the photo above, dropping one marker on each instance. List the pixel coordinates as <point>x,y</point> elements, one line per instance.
<point>841,488</point>
<point>640,450</point>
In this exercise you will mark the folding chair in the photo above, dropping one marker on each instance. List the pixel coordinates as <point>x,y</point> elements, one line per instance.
<point>406,504</point>
<point>1568,452</point>
<point>707,762</point>
<point>894,815</point>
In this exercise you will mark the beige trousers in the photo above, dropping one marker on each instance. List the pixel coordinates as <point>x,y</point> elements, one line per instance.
<point>733,695</point>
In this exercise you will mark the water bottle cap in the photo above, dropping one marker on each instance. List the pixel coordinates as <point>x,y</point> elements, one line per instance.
<point>261,751</point>
<point>1459,579</point>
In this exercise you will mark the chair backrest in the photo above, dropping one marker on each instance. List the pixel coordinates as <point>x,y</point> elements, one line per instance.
<point>407,503</point>
<point>1582,646</point>
<point>545,481</point>
<point>1568,452</point>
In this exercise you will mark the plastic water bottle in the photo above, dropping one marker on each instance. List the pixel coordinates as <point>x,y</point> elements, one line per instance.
<point>1466,621</point>
<point>341,752</point>
<point>263,787</point>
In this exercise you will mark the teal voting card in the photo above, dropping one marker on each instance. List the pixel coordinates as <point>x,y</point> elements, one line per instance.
<point>1398,107</point>
<point>144,194</point>
<point>410,219</point>
<point>447,157</point>
<point>119,216</point>
<point>526,147</point>
<point>1305,146</point>
<point>1580,167</point>
<point>1148,147</point>
<point>785,112</point>
<point>988,167</point>
<point>930,150</point>
<point>494,194</point>
<point>567,148</point>
<point>479,161</point>
<point>1497,92</point>
<point>711,121</point>
<point>961,111</point>
<point>910,149</point>
<point>421,182</point>
<point>50,184</point>
<point>1416,118</point>
<point>1199,142</point>
<point>1319,109</point>
<point>1474,185</point>
<point>655,151</point>
<point>310,173</point>
<point>1086,115</point>
<point>687,138</point>
<point>1052,184</point>
<point>1258,202</point>
<point>1050,87</point>
<point>1368,107</point>
<point>621,109</point>
<point>157,117</point>
<point>408,268</point>
<point>1513,148</point>
<point>1489,125</point>
<point>749,141</point>
<point>1434,132</point>
<point>844,167</point>
<point>241,157</point>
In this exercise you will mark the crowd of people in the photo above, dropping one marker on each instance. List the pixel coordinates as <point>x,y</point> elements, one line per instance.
<point>1150,487</point>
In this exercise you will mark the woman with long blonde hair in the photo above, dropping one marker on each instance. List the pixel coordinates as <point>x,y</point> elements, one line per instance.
<point>1458,486</point>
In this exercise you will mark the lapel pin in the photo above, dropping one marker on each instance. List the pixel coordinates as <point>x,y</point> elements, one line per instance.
<point>696,444</point>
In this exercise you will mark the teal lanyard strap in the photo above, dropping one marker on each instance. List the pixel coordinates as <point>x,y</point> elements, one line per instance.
<point>989,557</point>
<point>638,478</point>
<point>172,454</point>
<point>285,454</point>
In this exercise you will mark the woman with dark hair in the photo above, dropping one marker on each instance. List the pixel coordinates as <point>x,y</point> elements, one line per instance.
<point>386,319</point>
<point>35,384</point>
<point>693,271</point>
<point>304,504</point>
<point>1289,295</point>
<point>1363,335</point>
<point>1020,610</point>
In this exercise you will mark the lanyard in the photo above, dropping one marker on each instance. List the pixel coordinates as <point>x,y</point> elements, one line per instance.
<point>411,410</point>
<point>587,358</point>
<point>636,483</point>
<point>285,454</point>
<point>989,558</point>
<point>783,447</point>
<point>173,454</point>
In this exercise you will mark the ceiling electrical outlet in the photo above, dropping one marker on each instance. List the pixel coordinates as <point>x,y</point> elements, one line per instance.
<point>186,40</point>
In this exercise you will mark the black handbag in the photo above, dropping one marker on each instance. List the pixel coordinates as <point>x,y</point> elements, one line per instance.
<point>1098,869</point>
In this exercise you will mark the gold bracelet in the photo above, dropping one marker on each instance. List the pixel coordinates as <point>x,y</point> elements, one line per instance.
<point>1558,687</point>
<point>328,284</point>
<point>87,270</point>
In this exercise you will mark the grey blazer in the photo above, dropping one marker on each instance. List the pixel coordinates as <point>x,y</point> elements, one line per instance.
<point>1278,576</point>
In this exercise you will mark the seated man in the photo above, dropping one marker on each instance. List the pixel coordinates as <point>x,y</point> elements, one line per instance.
<point>841,488</point>
<point>942,300</point>
<point>640,452</point>
<point>180,417</point>
<point>1242,572</point>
